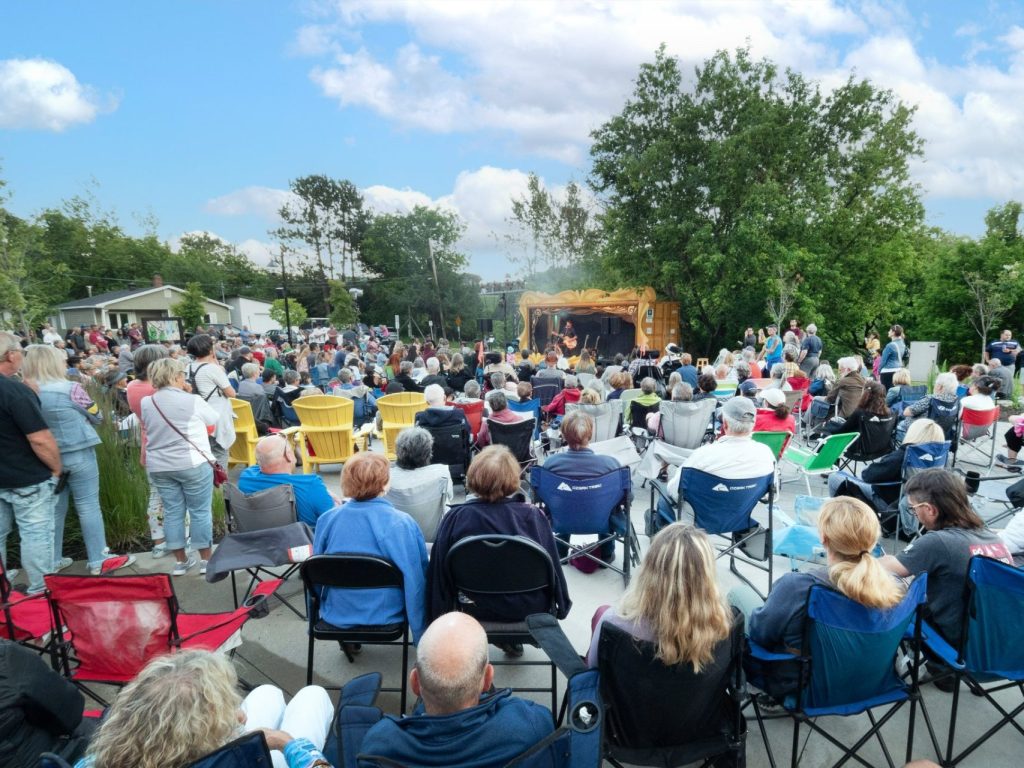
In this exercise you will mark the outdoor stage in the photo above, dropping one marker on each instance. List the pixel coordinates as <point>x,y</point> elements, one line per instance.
<point>611,322</point>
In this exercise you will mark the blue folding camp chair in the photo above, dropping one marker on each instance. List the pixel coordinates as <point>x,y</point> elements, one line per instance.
<point>846,667</point>
<point>593,505</point>
<point>724,508</point>
<point>545,388</point>
<point>249,751</point>
<point>531,407</point>
<point>916,458</point>
<point>989,651</point>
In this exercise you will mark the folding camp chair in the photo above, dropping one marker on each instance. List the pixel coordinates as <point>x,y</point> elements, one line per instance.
<point>243,450</point>
<point>916,458</point>
<point>989,655</point>
<point>529,406</point>
<point>874,441</point>
<point>245,513</point>
<point>545,388</point>
<point>491,566</point>
<point>846,667</point>
<point>686,425</point>
<point>50,760</point>
<point>629,395</point>
<point>474,415</point>
<point>977,428</point>
<point>593,505</point>
<point>910,394</point>
<point>451,448</point>
<point>517,437</point>
<point>248,751</point>
<point>776,441</point>
<point>353,572</point>
<point>325,431</point>
<point>638,431</point>
<point>109,627</point>
<point>946,415</point>
<point>398,412</point>
<point>424,503</point>
<point>607,417</point>
<point>823,460</point>
<point>724,507</point>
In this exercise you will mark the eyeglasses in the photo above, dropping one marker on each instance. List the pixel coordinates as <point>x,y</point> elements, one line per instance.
<point>919,504</point>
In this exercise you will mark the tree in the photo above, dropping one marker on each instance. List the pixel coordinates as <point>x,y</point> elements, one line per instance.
<point>992,297</point>
<point>192,306</point>
<point>343,307</point>
<point>296,313</point>
<point>710,188</point>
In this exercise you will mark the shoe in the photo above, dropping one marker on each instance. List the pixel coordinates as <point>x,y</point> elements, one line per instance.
<point>112,563</point>
<point>60,565</point>
<point>202,567</point>
<point>769,705</point>
<point>12,574</point>
<point>159,550</point>
<point>941,677</point>
<point>181,568</point>
<point>512,650</point>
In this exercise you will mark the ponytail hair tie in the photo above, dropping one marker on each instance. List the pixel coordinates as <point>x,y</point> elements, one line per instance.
<point>864,552</point>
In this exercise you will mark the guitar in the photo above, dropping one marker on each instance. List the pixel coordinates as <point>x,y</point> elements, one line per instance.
<point>569,342</point>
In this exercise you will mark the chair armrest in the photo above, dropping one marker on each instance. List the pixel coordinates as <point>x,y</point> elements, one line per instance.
<point>23,599</point>
<point>549,636</point>
<point>253,608</point>
<point>657,486</point>
<point>762,653</point>
<point>288,431</point>
<point>937,644</point>
<point>796,455</point>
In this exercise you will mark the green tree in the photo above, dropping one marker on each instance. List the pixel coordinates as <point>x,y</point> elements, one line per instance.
<point>343,307</point>
<point>296,313</point>
<point>712,189</point>
<point>192,306</point>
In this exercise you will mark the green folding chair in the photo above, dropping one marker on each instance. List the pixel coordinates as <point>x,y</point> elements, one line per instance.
<point>774,440</point>
<point>822,461</point>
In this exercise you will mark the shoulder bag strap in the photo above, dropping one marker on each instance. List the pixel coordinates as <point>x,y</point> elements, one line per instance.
<point>181,434</point>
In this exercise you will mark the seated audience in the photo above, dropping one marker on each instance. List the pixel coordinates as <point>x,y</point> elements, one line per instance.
<point>871,406</point>
<point>955,533</point>
<point>369,525</point>
<point>1014,441</point>
<point>681,393</point>
<point>438,413</point>
<point>849,532</point>
<point>275,463</point>
<point>944,391</point>
<point>648,396</point>
<point>774,414</point>
<point>434,375</point>
<point>413,468</point>
<point>706,386</point>
<point>270,383</point>
<point>405,379</point>
<point>619,382</point>
<point>570,393</point>
<point>549,368</point>
<point>497,401</point>
<point>1003,375</point>
<point>849,387</point>
<point>900,379</point>
<point>465,720</point>
<point>494,505</point>
<point>458,374</point>
<point>585,363</point>
<point>470,392</point>
<point>824,380</point>
<point>248,386</point>
<point>185,705</point>
<point>591,397</point>
<point>524,391</point>
<point>982,395</point>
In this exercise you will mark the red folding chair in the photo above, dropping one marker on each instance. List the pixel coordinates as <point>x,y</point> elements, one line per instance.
<point>24,618</point>
<point>474,415</point>
<point>109,627</point>
<point>977,427</point>
<point>801,384</point>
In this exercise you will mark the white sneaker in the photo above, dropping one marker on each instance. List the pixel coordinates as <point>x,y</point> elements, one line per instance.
<point>12,574</point>
<point>159,550</point>
<point>60,565</point>
<point>202,567</point>
<point>181,568</point>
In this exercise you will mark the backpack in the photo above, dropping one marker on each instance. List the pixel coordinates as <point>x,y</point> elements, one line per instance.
<point>195,385</point>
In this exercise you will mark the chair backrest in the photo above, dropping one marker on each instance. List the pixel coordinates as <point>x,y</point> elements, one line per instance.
<point>911,393</point>
<point>50,760</point>
<point>945,414</point>
<point>720,505</point>
<point>776,441</point>
<point>638,413</point>
<point>793,399</point>
<point>917,458</point>
<point>116,623</point>
<point>327,425</point>
<point>976,423</point>
<point>494,564</point>
<point>516,436</point>
<point>648,371</point>
<point>629,395</point>
<point>685,424</point>
<point>345,570</point>
<point>474,414</point>
<point>244,419</point>
<point>607,417</point>
<point>545,388</point>
<point>852,648</point>
<point>398,412</point>
<point>451,448</point>
<point>581,505</point>
<point>993,619</point>
<point>260,405</point>
<point>588,379</point>
<point>269,508</point>
<point>673,710</point>
<point>529,406</point>
<point>423,503</point>
<point>831,448</point>
<point>248,751</point>
<point>875,437</point>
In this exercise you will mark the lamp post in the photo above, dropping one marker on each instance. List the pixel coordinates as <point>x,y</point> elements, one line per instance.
<point>284,295</point>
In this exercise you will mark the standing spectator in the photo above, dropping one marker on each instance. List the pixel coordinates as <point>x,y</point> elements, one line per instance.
<point>1005,349</point>
<point>212,385</point>
<point>177,425</point>
<point>810,350</point>
<point>138,389</point>
<point>892,356</point>
<point>771,351</point>
<point>66,408</point>
<point>29,470</point>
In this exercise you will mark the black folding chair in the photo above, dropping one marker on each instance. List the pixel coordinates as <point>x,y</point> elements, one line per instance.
<point>451,447</point>
<point>481,570</point>
<point>545,388</point>
<point>875,441</point>
<point>322,573</point>
<point>517,437</point>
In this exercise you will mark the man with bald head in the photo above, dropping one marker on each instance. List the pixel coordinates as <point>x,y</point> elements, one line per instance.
<point>275,461</point>
<point>466,722</point>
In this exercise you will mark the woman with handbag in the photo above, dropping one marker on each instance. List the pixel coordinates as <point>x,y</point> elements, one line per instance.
<point>178,459</point>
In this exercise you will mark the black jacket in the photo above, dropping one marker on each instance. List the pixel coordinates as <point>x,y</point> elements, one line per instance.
<point>40,711</point>
<point>408,383</point>
<point>457,379</point>
<point>888,469</point>
<point>442,417</point>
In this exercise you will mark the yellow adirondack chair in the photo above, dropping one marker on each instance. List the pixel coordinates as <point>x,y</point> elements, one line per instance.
<point>326,427</point>
<point>243,450</point>
<point>397,412</point>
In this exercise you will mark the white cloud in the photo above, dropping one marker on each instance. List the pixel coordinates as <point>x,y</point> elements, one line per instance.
<point>44,95</point>
<point>261,253</point>
<point>259,201</point>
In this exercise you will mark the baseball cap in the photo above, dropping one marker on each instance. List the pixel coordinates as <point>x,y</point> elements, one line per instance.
<point>739,409</point>
<point>773,397</point>
<point>113,377</point>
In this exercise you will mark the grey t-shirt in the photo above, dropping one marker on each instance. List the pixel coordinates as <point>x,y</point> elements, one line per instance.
<point>944,554</point>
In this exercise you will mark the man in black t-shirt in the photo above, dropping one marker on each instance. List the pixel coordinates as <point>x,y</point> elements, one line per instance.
<point>28,472</point>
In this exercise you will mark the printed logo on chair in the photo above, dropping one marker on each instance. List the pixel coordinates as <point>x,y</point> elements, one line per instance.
<point>564,487</point>
<point>298,554</point>
<point>721,487</point>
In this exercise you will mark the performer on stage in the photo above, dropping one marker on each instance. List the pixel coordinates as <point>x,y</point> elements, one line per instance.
<point>568,336</point>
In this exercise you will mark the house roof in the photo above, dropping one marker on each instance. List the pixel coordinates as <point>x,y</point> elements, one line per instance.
<point>101,300</point>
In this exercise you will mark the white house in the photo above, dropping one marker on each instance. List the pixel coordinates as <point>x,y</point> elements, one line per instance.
<point>252,313</point>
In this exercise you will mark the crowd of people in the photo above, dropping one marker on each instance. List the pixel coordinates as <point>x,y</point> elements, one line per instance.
<point>178,401</point>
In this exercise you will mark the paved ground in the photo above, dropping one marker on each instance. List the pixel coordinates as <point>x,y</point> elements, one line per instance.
<point>274,649</point>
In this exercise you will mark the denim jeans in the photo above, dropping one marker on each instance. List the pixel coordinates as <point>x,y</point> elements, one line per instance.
<point>31,509</point>
<point>191,491</point>
<point>84,486</point>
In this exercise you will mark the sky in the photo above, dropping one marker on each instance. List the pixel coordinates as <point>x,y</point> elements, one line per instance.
<point>198,113</point>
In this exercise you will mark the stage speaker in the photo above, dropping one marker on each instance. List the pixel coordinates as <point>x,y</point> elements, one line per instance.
<point>611,326</point>
<point>486,325</point>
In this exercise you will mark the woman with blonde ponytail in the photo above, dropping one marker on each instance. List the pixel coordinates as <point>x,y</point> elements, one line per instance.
<point>849,531</point>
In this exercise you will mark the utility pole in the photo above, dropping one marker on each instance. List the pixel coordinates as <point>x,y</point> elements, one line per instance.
<point>437,285</point>
<point>284,295</point>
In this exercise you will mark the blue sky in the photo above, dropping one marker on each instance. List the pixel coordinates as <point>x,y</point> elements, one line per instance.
<point>199,113</point>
